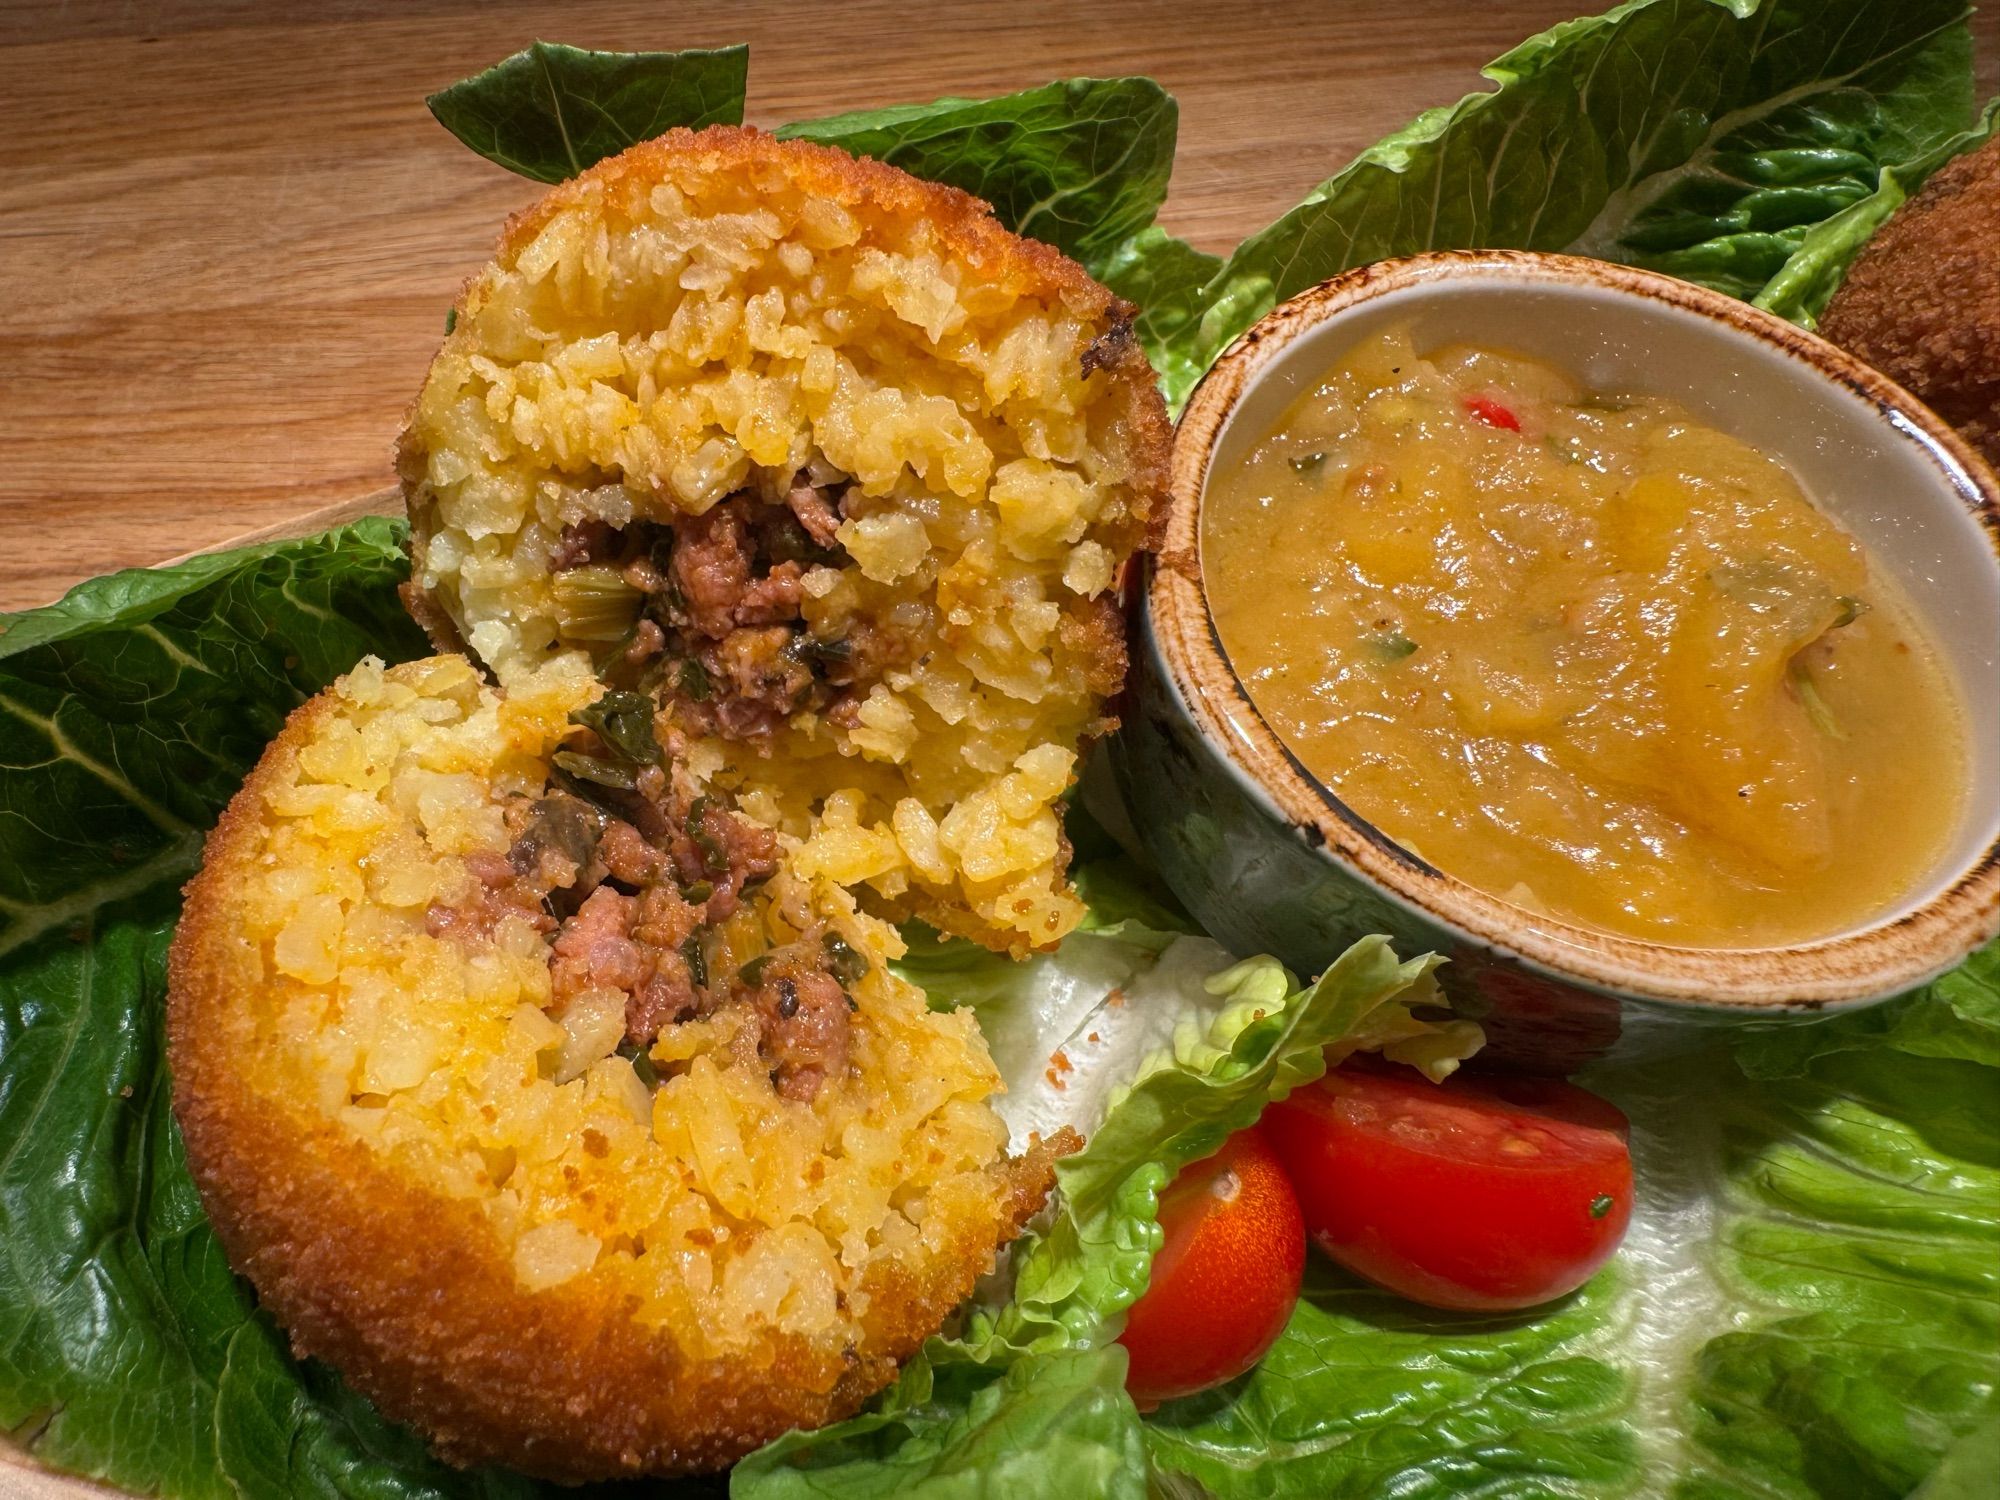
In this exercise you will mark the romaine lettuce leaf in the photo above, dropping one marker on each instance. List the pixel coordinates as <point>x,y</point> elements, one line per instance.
<point>1082,163</point>
<point>1366,1394</point>
<point>549,111</point>
<point>132,710</point>
<point>1057,1423</point>
<point>1807,1307</point>
<point>1697,137</point>
<point>1813,273</point>
<point>1254,1037</point>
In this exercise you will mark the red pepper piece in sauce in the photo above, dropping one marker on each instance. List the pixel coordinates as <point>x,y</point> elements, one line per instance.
<point>1492,413</point>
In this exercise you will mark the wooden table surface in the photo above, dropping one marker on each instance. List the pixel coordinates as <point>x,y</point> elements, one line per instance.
<point>230,230</point>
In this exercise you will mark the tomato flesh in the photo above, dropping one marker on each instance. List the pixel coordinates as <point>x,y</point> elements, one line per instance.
<point>1478,1193</point>
<point>1226,1276</point>
<point>1492,413</point>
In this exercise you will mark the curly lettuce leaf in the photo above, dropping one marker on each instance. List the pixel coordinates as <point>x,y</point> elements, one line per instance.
<point>1253,1038</point>
<point>1813,273</point>
<point>1701,138</point>
<point>549,111</point>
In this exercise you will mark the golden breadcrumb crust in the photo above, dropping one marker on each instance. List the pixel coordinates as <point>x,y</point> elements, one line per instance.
<point>1051,387</point>
<point>1025,267</point>
<point>411,1295</point>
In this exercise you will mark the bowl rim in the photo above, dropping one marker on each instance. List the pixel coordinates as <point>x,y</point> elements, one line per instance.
<point>1851,968</point>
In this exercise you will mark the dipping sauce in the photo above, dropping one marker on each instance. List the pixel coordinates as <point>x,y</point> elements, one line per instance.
<point>1583,652</point>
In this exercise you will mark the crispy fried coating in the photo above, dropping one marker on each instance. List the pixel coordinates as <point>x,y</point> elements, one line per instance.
<point>534,1041</point>
<point>461,1195</point>
<point>1922,302</point>
<point>836,467</point>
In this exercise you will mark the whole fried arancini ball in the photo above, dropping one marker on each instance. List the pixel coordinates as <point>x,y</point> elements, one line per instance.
<point>423,1127</point>
<point>834,469</point>
<point>1922,302</point>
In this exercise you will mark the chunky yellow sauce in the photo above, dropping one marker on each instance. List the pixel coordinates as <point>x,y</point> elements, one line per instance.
<point>1606,662</point>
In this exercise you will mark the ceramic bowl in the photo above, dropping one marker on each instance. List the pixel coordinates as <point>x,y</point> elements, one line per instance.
<point>1271,861</point>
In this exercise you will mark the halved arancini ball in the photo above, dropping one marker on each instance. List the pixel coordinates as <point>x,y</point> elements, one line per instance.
<point>823,461</point>
<point>569,1118</point>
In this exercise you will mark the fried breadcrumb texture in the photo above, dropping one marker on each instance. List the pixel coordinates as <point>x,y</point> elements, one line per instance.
<point>835,469</point>
<point>1922,302</point>
<point>432,1143</point>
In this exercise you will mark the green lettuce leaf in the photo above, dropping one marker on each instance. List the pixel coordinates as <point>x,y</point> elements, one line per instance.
<point>549,111</point>
<point>1082,163</point>
<point>1218,1047</point>
<point>1257,1037</point>
<point>1691,136</point>
<point>1366,1394</point>
<point>132,710</point>
<point>1857,1246</point>
<point>1809,278</point>
<point>1168,280</point>
<point>1054,1423</point>
<point>1807,1307</point>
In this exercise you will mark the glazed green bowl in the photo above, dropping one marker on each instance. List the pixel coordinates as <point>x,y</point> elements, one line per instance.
<point>1271,861</point>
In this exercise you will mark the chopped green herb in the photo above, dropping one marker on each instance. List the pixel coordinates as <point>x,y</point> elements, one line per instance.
<point>825,652</point>
<point>1307,463</point>
<point>694,681</point>
<point>1814,705</point>
<point>1391,646</point>
<point>624,721</point>
<point>697,830</point>
<point>1765,586</point>
<point>1600,1205</point>
<point>697,962</point>
<point>596,771</point>
<point>1596,402</point>
<point>450,319</point>
<point>699,892</point>
<point>593,603</point>
<point>1851,609</point>
<point>786,540</point>
<point>642,1063</point>
<point>846,963</point>
<point>752,973</point>
<point>1564,449</point>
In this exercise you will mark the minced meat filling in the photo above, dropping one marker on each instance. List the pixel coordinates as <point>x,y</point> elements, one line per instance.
<point>629,871</point>
<point>720,631</point>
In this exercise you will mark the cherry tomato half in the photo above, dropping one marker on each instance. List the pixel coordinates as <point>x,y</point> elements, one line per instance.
<point>1225,1279</point>
<point>1477,1193</point>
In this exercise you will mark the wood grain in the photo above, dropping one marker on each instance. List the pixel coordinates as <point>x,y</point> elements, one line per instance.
<point>230,229</point>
